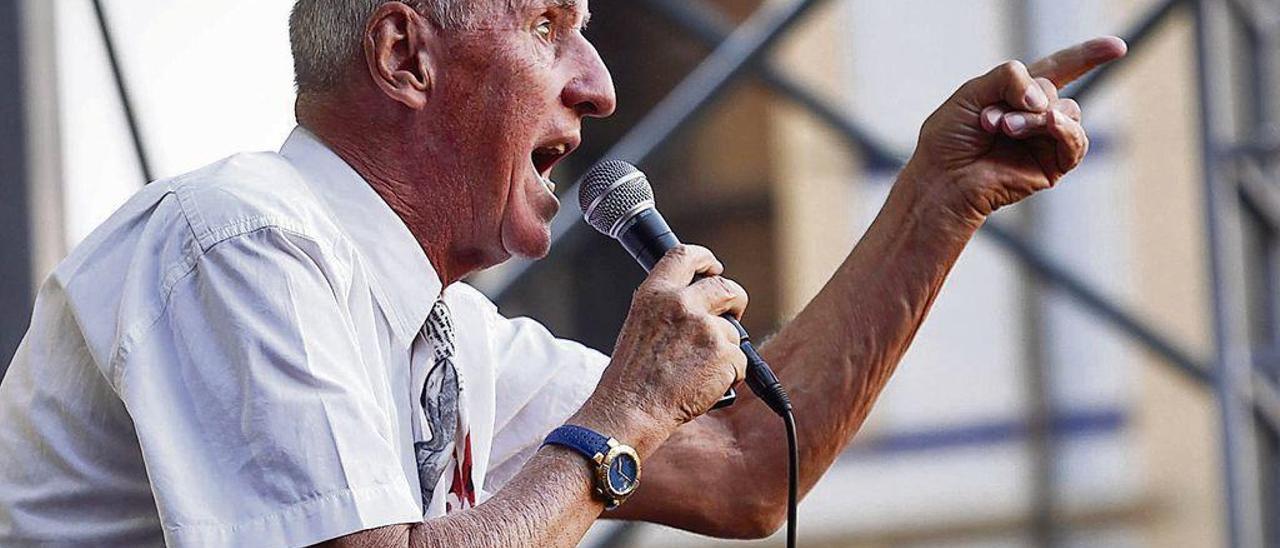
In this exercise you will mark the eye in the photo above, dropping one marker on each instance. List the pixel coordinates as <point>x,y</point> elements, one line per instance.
<point>544,28</point>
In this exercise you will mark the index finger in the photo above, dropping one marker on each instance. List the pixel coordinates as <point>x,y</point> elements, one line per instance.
<point>719,295</point>
<point>682,263</point>
<point>1064,66</point>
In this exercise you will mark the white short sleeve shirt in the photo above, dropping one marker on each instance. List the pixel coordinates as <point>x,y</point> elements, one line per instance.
<point>227,362</point>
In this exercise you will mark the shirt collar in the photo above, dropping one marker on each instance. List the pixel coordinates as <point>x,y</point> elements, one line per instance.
<point>403,280</point>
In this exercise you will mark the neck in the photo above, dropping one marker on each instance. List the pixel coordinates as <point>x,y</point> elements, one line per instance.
<point>391,162</point>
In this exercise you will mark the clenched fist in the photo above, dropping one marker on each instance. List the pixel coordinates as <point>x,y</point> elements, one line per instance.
<point>1006,134</point>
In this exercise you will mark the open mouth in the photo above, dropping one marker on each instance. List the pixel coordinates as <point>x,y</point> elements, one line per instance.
<point>549,153</point>
<point>545,158</point>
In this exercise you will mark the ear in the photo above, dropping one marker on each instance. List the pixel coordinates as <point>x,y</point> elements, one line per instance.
<point>397,42</point>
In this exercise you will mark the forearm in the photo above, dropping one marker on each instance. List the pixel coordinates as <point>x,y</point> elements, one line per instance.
<point>547,504</point>
<point>837,354</point>
<point>550,502</point>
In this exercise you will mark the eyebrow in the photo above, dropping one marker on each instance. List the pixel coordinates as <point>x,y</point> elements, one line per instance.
<point>570,5</point>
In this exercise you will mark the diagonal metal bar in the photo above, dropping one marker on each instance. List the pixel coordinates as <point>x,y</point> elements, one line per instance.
<point>126,100</point>
<point>680,108</point>
<point>1259,192</point>
<point>1136,36</point>
<point>720,69</point>
<point>1266,400</point>
<point>711,27</point>
<point>1096,303</point>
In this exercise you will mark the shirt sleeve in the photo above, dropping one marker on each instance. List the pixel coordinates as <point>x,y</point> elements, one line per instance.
<point>542,380</point>
<point>260,417</point>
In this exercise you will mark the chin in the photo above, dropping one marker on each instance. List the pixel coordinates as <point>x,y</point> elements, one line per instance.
<point>531,243</point>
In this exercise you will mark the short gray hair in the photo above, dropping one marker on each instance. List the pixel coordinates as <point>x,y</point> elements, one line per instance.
<point>325,35</point>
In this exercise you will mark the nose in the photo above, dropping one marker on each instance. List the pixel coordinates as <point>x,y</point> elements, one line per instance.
<point>590,92</point>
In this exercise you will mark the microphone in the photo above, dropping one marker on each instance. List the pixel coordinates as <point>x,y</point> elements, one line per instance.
<point>617,200</point>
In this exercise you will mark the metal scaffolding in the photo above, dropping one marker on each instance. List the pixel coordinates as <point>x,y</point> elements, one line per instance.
<point>1242,199</point>
<point>1237,52</point>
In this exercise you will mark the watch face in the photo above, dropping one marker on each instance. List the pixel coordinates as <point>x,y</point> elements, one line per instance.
<point>623,473</point>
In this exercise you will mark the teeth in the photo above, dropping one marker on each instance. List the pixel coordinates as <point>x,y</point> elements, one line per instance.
<point>546,182</point>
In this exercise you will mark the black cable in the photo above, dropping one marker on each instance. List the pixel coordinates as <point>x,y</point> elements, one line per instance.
<point>793,479</point>
<point>765,384</point>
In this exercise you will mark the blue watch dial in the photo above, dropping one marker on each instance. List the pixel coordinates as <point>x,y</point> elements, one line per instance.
<point>623,472</point>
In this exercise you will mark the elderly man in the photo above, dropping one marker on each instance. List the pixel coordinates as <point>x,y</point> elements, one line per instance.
<point>275,349</point>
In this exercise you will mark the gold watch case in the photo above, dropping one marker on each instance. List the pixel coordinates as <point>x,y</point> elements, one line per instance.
<point>604,462</point>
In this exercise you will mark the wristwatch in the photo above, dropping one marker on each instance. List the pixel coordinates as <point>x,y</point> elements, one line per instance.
<point>617,467</point>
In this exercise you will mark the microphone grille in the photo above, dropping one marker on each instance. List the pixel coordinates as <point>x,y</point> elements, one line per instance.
<point>610,190</point>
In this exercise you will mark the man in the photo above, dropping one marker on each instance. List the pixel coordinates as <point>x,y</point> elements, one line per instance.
<point>274,350</point>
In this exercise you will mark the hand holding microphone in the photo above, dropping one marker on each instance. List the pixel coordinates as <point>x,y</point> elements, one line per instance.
<point>617,200</point>
<point>675,356</point>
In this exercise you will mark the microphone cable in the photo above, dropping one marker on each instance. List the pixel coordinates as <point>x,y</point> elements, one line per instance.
<point>765,384</point>
<point>793,477</point>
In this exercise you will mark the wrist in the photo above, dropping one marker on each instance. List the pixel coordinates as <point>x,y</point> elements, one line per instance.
<point>625,422</point>
<point>934,201</point>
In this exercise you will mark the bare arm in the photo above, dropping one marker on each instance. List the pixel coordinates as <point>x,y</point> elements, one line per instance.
<point>549,503</point>
<point>837,354</point>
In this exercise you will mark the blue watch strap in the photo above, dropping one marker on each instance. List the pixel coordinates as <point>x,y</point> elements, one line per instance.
<point>586,441</point>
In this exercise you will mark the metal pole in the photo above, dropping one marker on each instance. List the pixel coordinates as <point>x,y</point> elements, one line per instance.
<point>122,88</point>
<point>1233,373</point>
<point>1041,444</point>
<point>710,27</point>
<point>1097,304</point>
<point>1264,43</point>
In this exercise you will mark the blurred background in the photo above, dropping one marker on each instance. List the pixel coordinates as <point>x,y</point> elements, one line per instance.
<point>1100,369</point>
